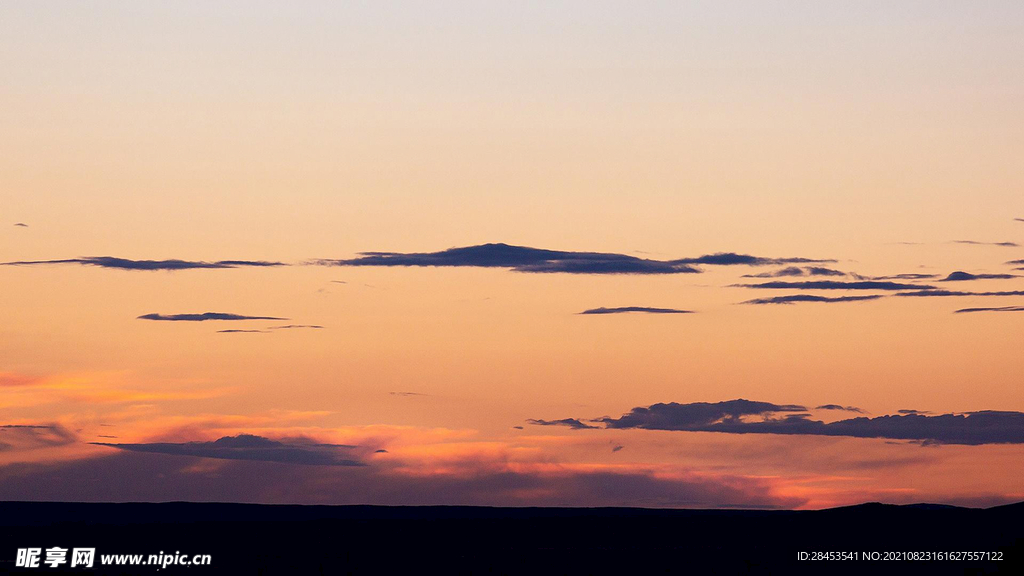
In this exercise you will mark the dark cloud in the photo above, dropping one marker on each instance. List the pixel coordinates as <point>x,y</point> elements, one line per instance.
<point>295,326</point>
<point>794,298</point>
<point>21,225</point>
<point>617,448</point>
<point>797,271</point>
<point>139,476</point>
<point>239,331</point>
<point>906,411</point>
<point>1019,219</point>
<point>733,259</point>
<point>644,309</point>
<point>16,437</point>
<point>673,416</point>
<point>203,317</point>
<point>944,293</point>
<point>126,264</point>
<point>960,276</point>
<point>1015,262</point>
<point>249,447</point>
<point>907,276</point>
<point>520,259</point>
<point>837,285</point>
<point>569,422</point>
<point>999,309</point>
<point>838,407</point>
<point>976,243</point>
<point>733,416</point>
<point>537,260</point>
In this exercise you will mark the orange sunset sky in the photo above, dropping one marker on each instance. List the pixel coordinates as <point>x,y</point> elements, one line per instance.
<point>164,160</point>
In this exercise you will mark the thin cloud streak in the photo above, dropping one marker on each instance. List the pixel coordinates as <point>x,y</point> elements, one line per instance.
<point>640,309</point>
<point>203,317</point>
<point>148,265</point>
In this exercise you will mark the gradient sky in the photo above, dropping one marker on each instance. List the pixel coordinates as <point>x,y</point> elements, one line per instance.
<point>883,137</point>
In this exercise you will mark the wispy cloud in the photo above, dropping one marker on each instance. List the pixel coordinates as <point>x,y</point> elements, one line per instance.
<point>18,437</point>
<point>999,309</point>
<point>837,285</point>
<point>202,317</point>
<point>20,225</point>
<point>127,264</point>
<point>296,326</point>
<point>839,407</point>
<point>795,298</point>
<point>792,271</point>
<point>241,331</point>
<point>948,293</point>
<point>976,243</point>
<point>567,422</point>
<point>641,309</point>
<point>250,447</point>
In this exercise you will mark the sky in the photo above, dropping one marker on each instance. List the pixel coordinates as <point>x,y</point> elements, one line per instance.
<point>675,254</point>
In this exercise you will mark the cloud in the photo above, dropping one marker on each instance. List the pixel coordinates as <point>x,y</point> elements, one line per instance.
<point>203,317</point>
<point>797,271</point>
<point>733,417</point>
<point>1014,262</point>
<point>909,276</point>
<point>20,225</point>
<point>295,326</point>
<point>10,379</point>
<point>19,437</point>
<point>906,411</point>
<point>520,259</point>
<point>838,407</point>
<point>248,447</point>
<point>945,293</point>
<point>644,309</point>
<point>126,264</point>
<point>791,299</point>
<point>999,309</point>
<point>1019,219</point>
<point>537,260</point>
<point>673,416</point>
<point>569,422</point>
<point>239,331</point>
<point>137,476</point>
<point>407,394</point>
<point>837,285</point>
<point>617,448</point>
<point>733,259</point>
<point>960,276</point>
<point>976,243</point>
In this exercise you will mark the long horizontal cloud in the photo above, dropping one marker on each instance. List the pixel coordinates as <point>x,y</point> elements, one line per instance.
<point>999,309</point>
<point>972,428</point>
<point>947,293</point>
<point>537,260</point>
<point>642,309</point>
<point>976,243</point>
<point>204,317</point>
<point>959,276</point>
<point>249,447</point>
<point>837,285</point>
<point>126,264</point>
<point>795,298</point>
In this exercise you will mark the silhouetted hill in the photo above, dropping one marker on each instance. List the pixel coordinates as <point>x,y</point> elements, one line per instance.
<point>296,540</point>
